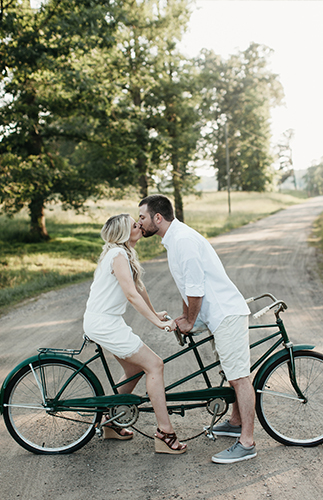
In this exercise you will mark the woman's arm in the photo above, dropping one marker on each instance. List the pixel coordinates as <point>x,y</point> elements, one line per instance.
<point>161,315</point>
<point>122,273</point>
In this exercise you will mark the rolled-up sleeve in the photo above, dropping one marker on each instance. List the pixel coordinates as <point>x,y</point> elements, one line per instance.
<point>193,273</point>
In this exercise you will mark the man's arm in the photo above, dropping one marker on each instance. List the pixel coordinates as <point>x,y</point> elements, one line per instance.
<point>186,322</point>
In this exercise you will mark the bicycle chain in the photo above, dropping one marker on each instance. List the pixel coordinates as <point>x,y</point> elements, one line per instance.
<point>151,437</point>
<point>132,426</point>
<point>183,439</point>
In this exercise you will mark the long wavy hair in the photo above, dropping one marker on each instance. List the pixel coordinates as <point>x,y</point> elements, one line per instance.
<point>116,233</point>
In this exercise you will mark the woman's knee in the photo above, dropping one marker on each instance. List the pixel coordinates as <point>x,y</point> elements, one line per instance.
<point>156,366</point>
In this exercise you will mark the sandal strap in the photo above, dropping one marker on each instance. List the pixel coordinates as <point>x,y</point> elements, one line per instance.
<point>171,437</point>
<point>118,429</point>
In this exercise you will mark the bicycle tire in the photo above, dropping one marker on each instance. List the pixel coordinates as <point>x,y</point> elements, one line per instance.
<point>33,426</point>
<point>282,415</point>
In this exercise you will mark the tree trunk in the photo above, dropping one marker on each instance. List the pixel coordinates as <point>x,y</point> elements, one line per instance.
<point>177,184</point>
<point>143,185</point>
<point>37,219</point>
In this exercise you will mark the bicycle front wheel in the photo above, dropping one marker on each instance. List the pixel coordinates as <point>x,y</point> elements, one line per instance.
<point>33,425</point>
<point>283,415</point>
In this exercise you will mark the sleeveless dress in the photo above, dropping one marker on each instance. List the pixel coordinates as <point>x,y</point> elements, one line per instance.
<point>103,322</point>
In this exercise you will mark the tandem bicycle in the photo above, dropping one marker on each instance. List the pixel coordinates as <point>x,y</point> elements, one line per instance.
<point>53,403</point>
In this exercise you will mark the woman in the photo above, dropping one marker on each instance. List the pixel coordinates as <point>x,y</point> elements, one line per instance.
<point>117,280</point>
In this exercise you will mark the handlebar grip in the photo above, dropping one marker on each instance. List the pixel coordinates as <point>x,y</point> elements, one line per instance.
<point>167,329</point>
<point>251,299</point>
<point>261,312</point>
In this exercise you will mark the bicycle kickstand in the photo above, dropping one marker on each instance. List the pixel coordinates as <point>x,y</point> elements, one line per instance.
<point>209,430</point>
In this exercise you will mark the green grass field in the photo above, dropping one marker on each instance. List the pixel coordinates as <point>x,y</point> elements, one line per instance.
<point>27,269</point>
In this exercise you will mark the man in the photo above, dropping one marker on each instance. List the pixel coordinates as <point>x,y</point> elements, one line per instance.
<point>210,296</point>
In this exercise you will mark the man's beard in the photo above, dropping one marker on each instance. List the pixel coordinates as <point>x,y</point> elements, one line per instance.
<point>150,231</point>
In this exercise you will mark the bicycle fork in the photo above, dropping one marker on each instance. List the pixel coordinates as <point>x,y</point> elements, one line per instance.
<point>292,373</point>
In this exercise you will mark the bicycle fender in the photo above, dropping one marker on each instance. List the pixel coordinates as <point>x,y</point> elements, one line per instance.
<point>274,357</point>
<point>59,357</point>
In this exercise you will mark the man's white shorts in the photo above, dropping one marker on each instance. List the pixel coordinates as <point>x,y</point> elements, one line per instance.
<point>232,346</point>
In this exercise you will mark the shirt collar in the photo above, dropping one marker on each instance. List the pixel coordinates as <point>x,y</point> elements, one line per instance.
<point>170,232</point>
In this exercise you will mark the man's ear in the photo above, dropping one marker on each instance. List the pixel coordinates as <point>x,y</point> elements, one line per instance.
<point>158,218</point>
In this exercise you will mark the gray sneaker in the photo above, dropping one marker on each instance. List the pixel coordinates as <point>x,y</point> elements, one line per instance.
<point>226,429</point>
<point>236,453</point>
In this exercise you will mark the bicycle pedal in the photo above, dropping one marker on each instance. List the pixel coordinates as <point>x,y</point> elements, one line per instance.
<point>98,431</point>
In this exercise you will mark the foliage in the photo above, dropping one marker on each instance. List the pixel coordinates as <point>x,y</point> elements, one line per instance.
<point>178,124</point>
<point>284,153</point>
<point>145,36</point>
<point>46,96</point>
<point>95,96</point>
<point>314,179</point>
<point>239,92</point>
<point>77,80</point>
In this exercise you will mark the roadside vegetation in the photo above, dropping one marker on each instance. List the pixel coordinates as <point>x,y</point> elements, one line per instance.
<point>317,240</point>
<point>28,268</point>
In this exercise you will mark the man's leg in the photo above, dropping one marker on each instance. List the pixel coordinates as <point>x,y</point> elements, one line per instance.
<point>244,409</point>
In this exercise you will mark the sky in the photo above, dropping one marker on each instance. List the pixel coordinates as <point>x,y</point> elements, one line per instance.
<point>294,30</point>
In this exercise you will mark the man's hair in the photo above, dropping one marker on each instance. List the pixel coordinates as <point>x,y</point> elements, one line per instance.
<point>159,204</point>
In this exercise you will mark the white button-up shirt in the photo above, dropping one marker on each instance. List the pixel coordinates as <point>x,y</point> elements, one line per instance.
<point>198,272</point>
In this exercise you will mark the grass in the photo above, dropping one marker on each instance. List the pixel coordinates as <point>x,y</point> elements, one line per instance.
<point>316,239</point>
<point>27,269</point>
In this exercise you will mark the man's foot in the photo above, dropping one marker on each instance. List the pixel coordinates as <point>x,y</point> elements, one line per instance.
<point>226,429</point>
<point>236,453</point>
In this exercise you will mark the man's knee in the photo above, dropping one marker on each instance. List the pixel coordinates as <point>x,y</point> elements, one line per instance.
<point>240,382</point>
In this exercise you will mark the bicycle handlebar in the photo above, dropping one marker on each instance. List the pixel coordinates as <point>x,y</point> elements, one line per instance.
<point>258,314</point>
<point>178,335</point>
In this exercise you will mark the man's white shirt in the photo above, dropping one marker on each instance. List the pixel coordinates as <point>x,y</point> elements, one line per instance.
<point>198,272</point>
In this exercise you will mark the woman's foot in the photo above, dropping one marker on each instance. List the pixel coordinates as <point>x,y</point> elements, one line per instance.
<point>111,431</point>
<point>168,443</point>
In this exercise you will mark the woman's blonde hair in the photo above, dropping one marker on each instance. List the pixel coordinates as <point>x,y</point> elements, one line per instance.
<point>116,233</point>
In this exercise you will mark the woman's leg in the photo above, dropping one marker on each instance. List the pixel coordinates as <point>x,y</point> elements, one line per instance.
<point>145,359</point>
<point>129,371</point>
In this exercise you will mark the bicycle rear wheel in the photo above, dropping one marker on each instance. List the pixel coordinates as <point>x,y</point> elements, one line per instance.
<point>281,413</point>
<point>37,428</point>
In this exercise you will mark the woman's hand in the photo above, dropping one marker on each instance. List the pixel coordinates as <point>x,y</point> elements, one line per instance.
<point>161,315</point>
<point>168,324</point>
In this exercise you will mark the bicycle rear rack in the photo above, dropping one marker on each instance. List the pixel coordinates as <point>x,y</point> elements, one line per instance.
<point>69,352</point>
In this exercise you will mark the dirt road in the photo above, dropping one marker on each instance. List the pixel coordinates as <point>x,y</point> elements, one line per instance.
<point>270,255</point>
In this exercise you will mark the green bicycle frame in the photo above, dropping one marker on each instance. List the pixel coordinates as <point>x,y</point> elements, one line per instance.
<point>181,401</point>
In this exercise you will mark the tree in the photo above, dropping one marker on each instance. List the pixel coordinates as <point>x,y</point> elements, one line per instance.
<point>284,152</point>
<point>314,179</point>
<point>139,58</point>
<point>178,122</point>
<point>46,96</point>
<point>240,92</point>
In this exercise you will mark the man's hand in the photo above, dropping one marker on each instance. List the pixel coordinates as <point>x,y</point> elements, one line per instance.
<point>186,321</point>
<point>183,324</point>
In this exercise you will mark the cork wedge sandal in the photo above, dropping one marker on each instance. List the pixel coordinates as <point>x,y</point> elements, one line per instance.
<point>114,432</point>
<point>164,444</point>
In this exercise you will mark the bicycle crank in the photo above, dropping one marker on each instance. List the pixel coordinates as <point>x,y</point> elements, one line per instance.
<point>125,415</point>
